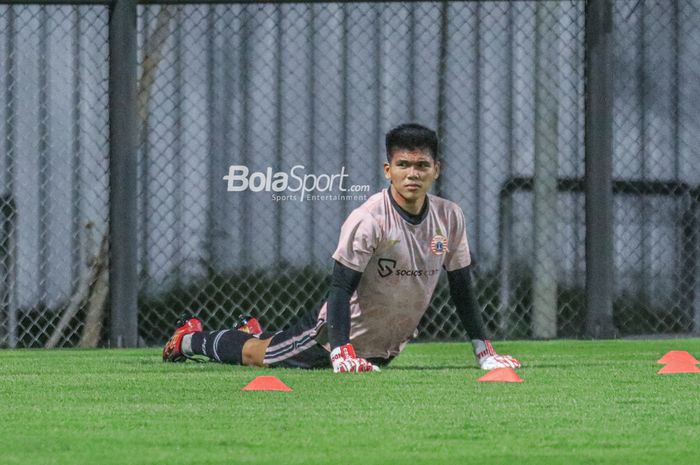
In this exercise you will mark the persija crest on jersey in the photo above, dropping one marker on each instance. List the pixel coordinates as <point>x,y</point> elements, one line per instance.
<point>439,245</point>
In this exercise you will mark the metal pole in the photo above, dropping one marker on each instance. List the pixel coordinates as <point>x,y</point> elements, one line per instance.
<point>598,180</point>
<point>229,81</point>
<point>44,159</point>
<point>178,253</point>
<point>344,99</point>
<point>313,88</point>
<point>279,125</point>
<point>215,158</point>
<point>77,155</point>
<point>644,283</point>
<point>442,87</point>
<point>378,121</point>
<point>684,210</point>
<point>688,286</point>
<point>144,163</point>
<point>478,107</point>
<point>122,174</point>
<point>411,62</point>
<point>505,239</point>
<point>8,254</point>
<point>505,229</point>
<point>9,172</point>
<point>246,63</point>
<point>546,218</point>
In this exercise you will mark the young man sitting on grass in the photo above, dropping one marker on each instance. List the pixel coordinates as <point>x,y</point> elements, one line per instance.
<point>387,264</point>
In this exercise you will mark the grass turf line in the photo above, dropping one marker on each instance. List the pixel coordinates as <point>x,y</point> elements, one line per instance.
<point>582,402</point>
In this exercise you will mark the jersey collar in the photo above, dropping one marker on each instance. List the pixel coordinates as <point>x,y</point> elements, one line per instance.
<point>409,217</point>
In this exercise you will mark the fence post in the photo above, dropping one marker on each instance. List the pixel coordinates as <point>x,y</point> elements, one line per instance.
<point>9,231</point>
<point>122,174</point>
<point>546,217</point>
<point>598,181</point>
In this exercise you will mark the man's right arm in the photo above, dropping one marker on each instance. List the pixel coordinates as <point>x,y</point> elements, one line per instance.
<point>344,282</point>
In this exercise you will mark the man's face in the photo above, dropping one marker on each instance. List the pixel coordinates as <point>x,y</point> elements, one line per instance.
<point>411,173</point>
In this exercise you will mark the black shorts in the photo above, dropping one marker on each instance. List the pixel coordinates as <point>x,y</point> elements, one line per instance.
<point>300,346</point>
<point>297,347</point>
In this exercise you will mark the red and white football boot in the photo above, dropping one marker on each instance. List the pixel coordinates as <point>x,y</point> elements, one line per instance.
<point>186,325</point>
<point>248,324</point>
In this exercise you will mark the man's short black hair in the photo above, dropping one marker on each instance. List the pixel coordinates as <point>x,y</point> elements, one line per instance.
<point>411,136</point>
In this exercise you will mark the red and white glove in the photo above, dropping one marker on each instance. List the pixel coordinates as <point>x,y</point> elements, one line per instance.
<point>489,359</point>
<point>344,360</point>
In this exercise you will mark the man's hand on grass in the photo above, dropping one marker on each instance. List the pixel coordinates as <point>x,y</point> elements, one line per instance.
<point>489,359</point>
<point>344,360</point>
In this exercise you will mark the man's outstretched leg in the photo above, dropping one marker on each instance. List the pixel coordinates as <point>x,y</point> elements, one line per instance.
<point>226,346</point>
<point>295,347</point>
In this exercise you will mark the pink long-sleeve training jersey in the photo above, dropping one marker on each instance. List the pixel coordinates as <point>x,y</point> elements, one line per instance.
<point>400,264</point>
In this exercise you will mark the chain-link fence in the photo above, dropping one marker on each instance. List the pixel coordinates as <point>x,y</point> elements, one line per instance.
<point>250,95</point>
<point>54,191</point>
<point>316,87</point>
<point>657,93</point>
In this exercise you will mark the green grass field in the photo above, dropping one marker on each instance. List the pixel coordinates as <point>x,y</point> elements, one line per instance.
<point>582,402</point>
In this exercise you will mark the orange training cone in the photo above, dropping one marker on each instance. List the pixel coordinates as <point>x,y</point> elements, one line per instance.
<point>501,375</point>
<point>678,367</point>
<point>266,383</point>
<point>678,356</point>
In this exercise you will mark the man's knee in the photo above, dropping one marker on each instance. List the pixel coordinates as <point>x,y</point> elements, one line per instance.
<point>253,353</point>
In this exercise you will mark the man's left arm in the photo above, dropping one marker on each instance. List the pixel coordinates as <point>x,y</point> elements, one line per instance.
<point>464,297</point>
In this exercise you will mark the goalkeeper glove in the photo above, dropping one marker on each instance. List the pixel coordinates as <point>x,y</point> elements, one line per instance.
<point>489,359</point>
<point>344,360</point>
